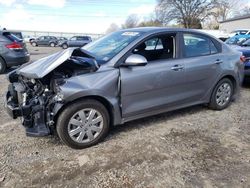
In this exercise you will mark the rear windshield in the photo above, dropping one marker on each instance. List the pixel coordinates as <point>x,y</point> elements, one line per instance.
<point>12,37</point>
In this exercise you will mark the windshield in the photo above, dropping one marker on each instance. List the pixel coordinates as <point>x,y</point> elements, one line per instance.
<point>108,46</point>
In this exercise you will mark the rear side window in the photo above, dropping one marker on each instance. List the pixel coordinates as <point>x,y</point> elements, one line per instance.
<point>197,45</point>
<point>82,38</point>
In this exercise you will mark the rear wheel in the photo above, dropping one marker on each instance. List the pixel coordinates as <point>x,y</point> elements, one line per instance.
<point>34,44</point>
<point>2,66</point>
<point>83,124</point>
<point>222,95</point>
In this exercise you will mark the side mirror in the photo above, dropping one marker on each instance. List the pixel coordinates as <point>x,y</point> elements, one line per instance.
<point>135,60</point>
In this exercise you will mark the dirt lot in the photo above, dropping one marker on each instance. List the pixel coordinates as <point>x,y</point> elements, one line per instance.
<point>194,147</point>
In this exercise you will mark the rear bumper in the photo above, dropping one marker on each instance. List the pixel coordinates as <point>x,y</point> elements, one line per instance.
<point>17,60</point>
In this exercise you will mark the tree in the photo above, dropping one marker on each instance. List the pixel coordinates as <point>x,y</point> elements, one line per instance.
<point>131,21</point>
<point>150,23</point>
<point>188,13</point>
<point>113,27</point>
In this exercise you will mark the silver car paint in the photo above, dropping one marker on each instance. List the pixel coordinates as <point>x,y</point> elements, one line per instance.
<point>42,67</point>
<point>135,92</point>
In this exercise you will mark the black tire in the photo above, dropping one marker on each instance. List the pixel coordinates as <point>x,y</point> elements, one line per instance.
<point>34,44</point>
<point>52,44</point>
<point>213,101</point>
<point>2,66</point>
<point>64,46</point>
<point>68,113</point>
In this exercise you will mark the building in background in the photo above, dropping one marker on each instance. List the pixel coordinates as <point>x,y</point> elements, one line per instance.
<point>241,22</point>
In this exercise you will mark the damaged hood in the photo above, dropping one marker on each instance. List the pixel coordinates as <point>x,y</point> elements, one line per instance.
<point>44,66</point>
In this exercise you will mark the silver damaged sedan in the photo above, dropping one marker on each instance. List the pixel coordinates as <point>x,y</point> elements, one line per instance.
<point>79,93</point>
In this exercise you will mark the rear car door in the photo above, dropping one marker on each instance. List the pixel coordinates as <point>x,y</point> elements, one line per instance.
<point>159,84</point>
<point>203,61</point>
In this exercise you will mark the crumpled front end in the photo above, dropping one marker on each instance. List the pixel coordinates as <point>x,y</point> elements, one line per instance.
<point>35,99</point>
<point>29,100</point>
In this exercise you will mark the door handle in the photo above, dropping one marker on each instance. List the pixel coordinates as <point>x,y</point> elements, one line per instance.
<point>177,67</point>
<point>218,61</point>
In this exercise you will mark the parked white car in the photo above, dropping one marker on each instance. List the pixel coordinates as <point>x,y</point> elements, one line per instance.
<point>216,33</point>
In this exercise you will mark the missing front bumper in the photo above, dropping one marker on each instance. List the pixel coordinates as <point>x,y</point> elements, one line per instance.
<point>33,117</point>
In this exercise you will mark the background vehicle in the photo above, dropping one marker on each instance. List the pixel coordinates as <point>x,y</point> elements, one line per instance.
<point>244,47</point>
<point>222,35</point>
<point>12,51</point>
<point>45,41</point>
<point>123,76</point>
<point>237,39</point>
<point>76,41</point>
<point>28,39</point>
<point>240,32</point>
<point>61,40</point>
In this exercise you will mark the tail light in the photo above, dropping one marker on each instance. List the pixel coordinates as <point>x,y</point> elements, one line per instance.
<point>14,46</point>
<point>243,59</point>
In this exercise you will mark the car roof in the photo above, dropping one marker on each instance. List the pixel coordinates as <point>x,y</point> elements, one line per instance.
<point>163,29</point>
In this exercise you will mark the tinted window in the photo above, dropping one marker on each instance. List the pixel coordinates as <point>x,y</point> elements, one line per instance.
<point>197,45</point>
<point>12,37</point>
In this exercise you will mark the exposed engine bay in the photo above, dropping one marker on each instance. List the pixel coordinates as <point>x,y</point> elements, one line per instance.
<point>34,99</point>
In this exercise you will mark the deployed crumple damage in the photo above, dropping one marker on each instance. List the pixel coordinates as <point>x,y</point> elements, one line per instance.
<point>44,66</point>
<point>34,89</point>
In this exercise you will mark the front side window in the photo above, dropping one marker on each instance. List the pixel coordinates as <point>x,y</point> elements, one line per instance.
<point>41,38</point>
<point>73,39</point>
<point>197,45</point>
<point>157,48</point>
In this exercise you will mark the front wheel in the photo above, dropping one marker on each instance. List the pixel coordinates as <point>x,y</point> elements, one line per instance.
<point>64,46</point>
<point>83,124</point>
<point>222,95</point>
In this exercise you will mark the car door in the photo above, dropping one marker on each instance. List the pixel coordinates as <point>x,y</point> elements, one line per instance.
<point>156,86</point>
<point>72,42</point>
<point>80,41</point>
<point>40,41</point>
<point>203,62</point>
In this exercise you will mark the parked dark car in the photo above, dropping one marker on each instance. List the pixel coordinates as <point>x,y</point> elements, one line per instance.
<point>129,74</point>
<point>244,47</point>
<point>45,41</point>
<point>12,51</point>
<point>76,41</point>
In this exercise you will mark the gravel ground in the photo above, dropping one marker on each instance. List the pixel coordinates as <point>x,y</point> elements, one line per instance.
<point>193,147</point>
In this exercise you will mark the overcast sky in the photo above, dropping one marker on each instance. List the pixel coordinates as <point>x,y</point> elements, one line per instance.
<point>83,16</point>
<point>89,16</point>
